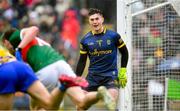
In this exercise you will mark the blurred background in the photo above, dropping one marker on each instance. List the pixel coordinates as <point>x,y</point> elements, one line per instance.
<point>62,23</point>
<point>154,35</point>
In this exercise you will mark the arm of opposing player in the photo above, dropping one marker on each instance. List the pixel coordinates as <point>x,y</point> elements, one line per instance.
<point>27,35</point>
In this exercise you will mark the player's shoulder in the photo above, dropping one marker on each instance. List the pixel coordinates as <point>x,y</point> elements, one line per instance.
<point>4,52</point>
<point>111,32</point>
<point>87,35</point>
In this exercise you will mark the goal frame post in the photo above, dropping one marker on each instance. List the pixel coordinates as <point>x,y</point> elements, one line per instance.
<point>124,29</point>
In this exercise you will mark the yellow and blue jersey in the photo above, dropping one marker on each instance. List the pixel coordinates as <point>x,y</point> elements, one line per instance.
<point>5,56</point>
<point>14,75</point>
<point>102,51</point>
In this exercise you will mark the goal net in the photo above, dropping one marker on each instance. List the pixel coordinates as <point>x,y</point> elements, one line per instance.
<point>156,54</point>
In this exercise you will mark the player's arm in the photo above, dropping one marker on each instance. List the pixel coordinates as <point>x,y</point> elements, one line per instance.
<point>82,60</point>
<point>124,60</point>
<point>81,64</point>
<point>27,35</point>
<point>124,55</point>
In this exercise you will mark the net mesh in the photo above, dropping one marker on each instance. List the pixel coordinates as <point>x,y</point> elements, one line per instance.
<point>156,55</point>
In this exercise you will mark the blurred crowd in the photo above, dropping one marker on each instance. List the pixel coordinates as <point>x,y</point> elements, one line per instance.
<point>61,22</point>
<point>58,20</point>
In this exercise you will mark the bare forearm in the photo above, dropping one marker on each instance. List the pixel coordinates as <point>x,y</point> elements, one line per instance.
<point>28,35</point>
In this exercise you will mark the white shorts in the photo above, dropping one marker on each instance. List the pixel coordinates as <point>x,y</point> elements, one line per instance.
<point>49,75</point>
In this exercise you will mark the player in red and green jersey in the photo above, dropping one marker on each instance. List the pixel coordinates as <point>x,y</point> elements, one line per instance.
<point>37,53</point>
<point>46,62</point>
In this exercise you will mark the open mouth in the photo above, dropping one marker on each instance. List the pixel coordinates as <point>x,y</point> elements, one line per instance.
<point>95,26</point>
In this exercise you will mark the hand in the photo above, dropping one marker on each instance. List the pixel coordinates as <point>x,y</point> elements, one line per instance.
<point>18,54</point>
<point>122,77</point>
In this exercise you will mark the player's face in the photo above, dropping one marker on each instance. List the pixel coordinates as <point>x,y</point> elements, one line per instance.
<point>96,22</point>
<point>8,45</point>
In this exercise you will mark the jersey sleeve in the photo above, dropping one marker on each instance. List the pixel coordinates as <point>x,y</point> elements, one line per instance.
<point>21,33</point>
<point>120,43</point>
<point>83,49</point>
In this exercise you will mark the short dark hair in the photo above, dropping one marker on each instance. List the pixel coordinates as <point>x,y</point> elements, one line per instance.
<point>93,11</point>
<point>6,35</point>
<point>12,36</point>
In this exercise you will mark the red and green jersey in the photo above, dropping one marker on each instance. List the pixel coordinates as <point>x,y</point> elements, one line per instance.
<point>37,53</point>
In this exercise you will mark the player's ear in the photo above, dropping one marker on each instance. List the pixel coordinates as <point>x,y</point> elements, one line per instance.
<point>5,41</point>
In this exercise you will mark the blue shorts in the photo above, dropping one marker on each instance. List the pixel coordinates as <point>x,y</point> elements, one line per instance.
<point>96,81</point>
<point>15,76</point>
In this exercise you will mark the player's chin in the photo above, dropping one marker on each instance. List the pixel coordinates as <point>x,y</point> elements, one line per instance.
<point>97,29</point>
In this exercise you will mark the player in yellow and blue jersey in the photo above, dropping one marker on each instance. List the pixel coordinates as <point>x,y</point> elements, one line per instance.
<point>101,46</point>
<point>17,76</point>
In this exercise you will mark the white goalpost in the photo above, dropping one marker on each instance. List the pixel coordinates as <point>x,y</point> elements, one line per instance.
<point>152,35</point>
<point>123,28</point>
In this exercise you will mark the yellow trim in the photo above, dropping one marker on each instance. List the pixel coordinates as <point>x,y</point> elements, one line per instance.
<point>4,52</point>
<point>5,56</point>
<point>121,45</point>
<point>93,32</point>
<point>83,52</point>
<point>104,30</point>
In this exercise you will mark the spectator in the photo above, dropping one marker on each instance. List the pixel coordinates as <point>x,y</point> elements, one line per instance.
<point>70,32</point>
